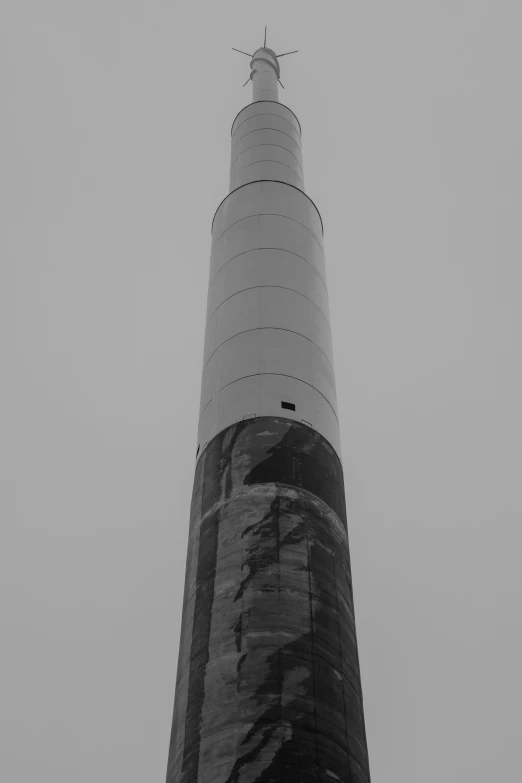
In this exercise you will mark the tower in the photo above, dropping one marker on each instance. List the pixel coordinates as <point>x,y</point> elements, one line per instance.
<point>268,687</point>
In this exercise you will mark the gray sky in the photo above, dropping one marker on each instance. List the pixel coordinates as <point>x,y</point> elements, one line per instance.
<point>115,152</point>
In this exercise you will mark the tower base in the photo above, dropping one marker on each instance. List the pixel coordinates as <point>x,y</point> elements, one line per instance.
<point>268,684</point>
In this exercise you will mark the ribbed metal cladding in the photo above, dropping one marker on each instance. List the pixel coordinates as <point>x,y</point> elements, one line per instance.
<point>267,336</point>
<point>268,686</point>
<point>266,144</point>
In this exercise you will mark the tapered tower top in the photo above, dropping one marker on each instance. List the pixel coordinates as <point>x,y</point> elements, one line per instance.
<point>264,73</point>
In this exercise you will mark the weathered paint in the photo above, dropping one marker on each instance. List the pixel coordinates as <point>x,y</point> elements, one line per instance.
<point>268,686</point>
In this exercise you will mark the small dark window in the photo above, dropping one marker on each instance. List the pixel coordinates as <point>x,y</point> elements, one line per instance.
<point>289,406</point>
<point>197,452</point>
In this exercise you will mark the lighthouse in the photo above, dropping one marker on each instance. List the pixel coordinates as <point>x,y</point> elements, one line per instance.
<point>268,687</point>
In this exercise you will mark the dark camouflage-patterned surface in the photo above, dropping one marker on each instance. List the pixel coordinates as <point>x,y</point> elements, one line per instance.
<point>268,687</point>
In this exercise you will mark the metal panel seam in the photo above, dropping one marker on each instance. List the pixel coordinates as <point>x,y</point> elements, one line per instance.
<point>341,657</point>
<point>269,180</point>
<point>263,144</point>
<point>203,451</point>
<point>278,375</point>
<point>267,160</point>
<point>312,638</point>
<point>285,287</point>
<point>269,214</point>
<point>280,329</point>
<point>266,101</point>
<point>258,130</point>
<point>281,250</point>
<point>265,114</point>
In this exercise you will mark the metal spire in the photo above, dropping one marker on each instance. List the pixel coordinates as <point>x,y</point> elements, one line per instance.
<point>284,54</point>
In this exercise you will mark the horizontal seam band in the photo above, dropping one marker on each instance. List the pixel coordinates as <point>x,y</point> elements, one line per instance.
<point>269,160</point>
<point>267,145</point>
<point>266,114</point>
<point>258,130</point>
<point>281,250</point>
<point>260,328</point>
<point>266,101</point>
<point>284,287</point>
<point>268,214</point>
<point>247,184</point>
<point>279,375</point>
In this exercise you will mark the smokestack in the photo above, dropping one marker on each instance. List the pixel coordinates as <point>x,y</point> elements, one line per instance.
<point>268,687</point>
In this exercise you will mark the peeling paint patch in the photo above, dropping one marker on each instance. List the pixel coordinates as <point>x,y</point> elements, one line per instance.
<point>332,774</point>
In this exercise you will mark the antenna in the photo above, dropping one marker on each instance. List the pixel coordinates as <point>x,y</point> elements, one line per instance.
<point>284,54</point>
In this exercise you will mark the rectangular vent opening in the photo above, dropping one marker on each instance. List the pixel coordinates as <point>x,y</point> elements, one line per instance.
<point>289,406</point>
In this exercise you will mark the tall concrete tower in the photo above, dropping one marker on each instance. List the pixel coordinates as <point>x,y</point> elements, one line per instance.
<point>268,687</point>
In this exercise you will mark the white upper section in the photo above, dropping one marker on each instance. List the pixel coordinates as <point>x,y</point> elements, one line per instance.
<point>268,335</point>
<point>267,338</point>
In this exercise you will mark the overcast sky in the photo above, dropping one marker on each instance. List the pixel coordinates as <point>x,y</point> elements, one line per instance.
<point>115,145</point>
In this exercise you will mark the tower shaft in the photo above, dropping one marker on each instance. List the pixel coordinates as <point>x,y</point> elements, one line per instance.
<point>268,686</point>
